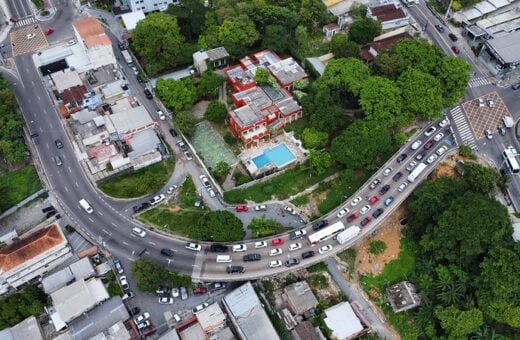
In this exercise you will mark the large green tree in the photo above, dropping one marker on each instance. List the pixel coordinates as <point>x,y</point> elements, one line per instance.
<point>17,307</point>
<point>319,161</point>
<point>313,14</point>
<point>157,40</point>
<point>208,85</point>
<point>268,15</point>
<point>459,323</point>
<point>186,122</point>
<point>389,65</point>
<point>12,147</point>
<point>480,178</point>
<point>364,30</point>
<point>237,35</point>
<point>381,101</point>
<point>190,17</point>
<point>344,48</point>
<point>262,227</point>
<point>314,139</point>
<point>421,93</point>
<point>148,275</point>
<point>275,38</point>
<point>419,54</point>
<point>454,74</point>
<point>344,74</point>
<point>325,113</point>
<point>176,94</point>
<point>219,225</point>
<point>216,111</point>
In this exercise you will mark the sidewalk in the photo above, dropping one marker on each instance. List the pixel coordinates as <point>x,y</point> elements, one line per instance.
<point>110,21</point>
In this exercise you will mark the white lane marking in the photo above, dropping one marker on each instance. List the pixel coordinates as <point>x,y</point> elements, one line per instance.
<point>115,225</point>
<point>152,243</point>
<point>125,243</point>
<point>91,220</point>
<point>70,170</point>
<point>100,213</point>
<point>106,232</point>
<point>66,189</point>
<point>77,185</point>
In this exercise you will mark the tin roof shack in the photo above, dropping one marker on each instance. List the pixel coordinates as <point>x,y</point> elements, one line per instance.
<point>402,296</point>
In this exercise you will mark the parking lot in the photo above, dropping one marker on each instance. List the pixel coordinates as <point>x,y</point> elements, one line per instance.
<point>28,39</point>
<point>486,114</point>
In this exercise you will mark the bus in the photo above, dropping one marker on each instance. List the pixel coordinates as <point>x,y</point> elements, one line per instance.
<point>509,155</point>
<point>326,233</point>
<point>416,172</point>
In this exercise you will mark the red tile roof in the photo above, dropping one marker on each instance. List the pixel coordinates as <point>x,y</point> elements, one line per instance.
<point>387,13</point>
<point>74,94</point>
<point>381,45</point>
<point>88,26</point>
<point>29,247</point>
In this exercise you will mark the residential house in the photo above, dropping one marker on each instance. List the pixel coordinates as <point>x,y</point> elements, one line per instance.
<point>306,331</point>
<point>150,5</point>
<point>343,322</point>
<point>391,15</point>
<point>385,42</point>
<point>28,329</point>
<point>402,296</point>
<point>212,59</point>
<point>211,319</point>
<point>300,297</point>
<point>330,30</point>
<point>92,36</point>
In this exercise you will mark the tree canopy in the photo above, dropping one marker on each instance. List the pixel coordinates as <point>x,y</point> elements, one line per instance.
<point>17,307</point>
<point>208,85</point>
<point>216,111</point>
<point>149,276</point>
<point>176,94</point>
<point>219,225</point>
<point>421,93</point>
<point>262,227</point>
<point>344,48</point>
<point>186,122</point>
<point>364,30</point>
<point>12,147</point>
<point>381,100</point>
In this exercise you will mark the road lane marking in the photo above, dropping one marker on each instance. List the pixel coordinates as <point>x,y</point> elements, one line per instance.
<point>105,231</point>
<point>70,170</point>
<point>100,213</point>
<point>91,220</point>
<point>115,225</point>
<point>125,243</point>
<point>66,189</point>
<point>152,243</point>
<point>77,185</point>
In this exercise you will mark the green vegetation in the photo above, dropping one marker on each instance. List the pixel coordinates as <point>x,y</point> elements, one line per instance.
<point>319,281</point>
<point>141,182</point>
<point>219,225</point>
<point>17,307</point>
<point>114,289</point>
<point>187,193</point>
<point>282,186</point>
<point>38,4</point>
<point>300,200</point>
<point>149,276</point>
<point>377,247</point>
<point>176,222</point>
<point>262,227</point>
<point>466,151</point>
<point>349,256</point>
<point>208,86</point>
<point>17,185</point>
<point>241,178</point>
<point>339,189</point>
<point>318,267</point>
<point>216,111</point>
<point>221,171</point>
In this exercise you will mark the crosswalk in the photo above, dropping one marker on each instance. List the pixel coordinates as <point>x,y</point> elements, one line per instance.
<point>25,21</point>
<point>476,82</point>
<point>461,123</point>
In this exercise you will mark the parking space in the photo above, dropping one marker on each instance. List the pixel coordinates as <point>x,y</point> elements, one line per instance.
<point>485,113</point>
<point>28,39</point>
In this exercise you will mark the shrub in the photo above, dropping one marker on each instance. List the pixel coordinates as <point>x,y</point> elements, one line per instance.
<point>319,281</point>
<point>230,139</point>
<point>377,247</point>
<point>318,267</point>
<point>216,112</point>
<point>241,178</point>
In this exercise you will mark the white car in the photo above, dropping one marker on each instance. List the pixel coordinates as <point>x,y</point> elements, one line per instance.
<point>289,209</point>
<point>275,264</point>
<point>387,171</point>
<point>239,248</point>
<point>295,246</point>
<point>364,210</point>
<point>165,300</point>
<point>430,131</point>
<point>260,244</point>
<point>342,212</point>
<point>139,232</point>
<point>157,199</point>
<point>444,122</point>
<point>211,192</point>
<point>325,249</point>
<point>171,189</point>
<point>431,159</point>
<point>355,201</point>
<point>144,324</point>
<point>193,246</point>
<point>124,282</point>
<point>416,145</point>
<point>441,150</point>
<point>161,115</point>
<point>177,318</point>
<point>261,208</point>
<point>438,136</point>
<point>30,36</point>
<point>411,165</point>
<point>204,181</point>
<point>142,317</point>
<point>200,307</point>
<point>188,155</point>
<point>275,252</point>
<point>71,42</point>
<point>175,292</point>
<point>402,187</point>
<point>136,72</point>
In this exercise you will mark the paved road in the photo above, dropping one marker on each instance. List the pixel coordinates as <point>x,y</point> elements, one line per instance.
<point>19,8</point>
<point>354,295</point>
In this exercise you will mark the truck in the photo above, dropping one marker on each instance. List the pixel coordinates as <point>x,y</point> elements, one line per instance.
<point>416,172</point>
<point>348,234</point>
<point>128,57</point>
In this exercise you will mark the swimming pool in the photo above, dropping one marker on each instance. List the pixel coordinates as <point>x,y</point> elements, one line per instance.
<point>280,155</point>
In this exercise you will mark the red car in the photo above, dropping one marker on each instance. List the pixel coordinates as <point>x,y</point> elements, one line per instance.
<point>373,199</point>
<point>429,144</point>
<point>48,31</point>
<point>455,49</point>
<point>14,19</point>
<point>241,207</point>
<point>278,241</point>
<point>200,290</point>
<point>352,217</point>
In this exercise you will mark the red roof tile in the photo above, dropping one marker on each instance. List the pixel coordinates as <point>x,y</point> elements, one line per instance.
<point>387,13</point>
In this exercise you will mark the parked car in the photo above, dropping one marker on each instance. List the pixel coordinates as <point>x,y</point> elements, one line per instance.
<point>455,49</point>
<point>118,266</point>
<point>241,207</point>
<point>275,264</point>
<point>173,133</point>
<point>260,244</point>
<point>275,252</point>
<point>148,94</point>
<point>48,31</point>
<point>144,324</point>
<point>453,37</point>
<point>184,293</point>
<point>252,257</point>
<point>128,295</point>
<point>58,160</point>
<point>161,115</point>
<point>290,210</point>
<point>135,311</point>
<point>162,291</point>
<point>205,181</point>
<point>175,292</point>
<point>71,42</point>
<point>200,307</point>
<point>218,248</point>
<point>182,145</point>
<point>352,217</point>
<point>365,221</point>
<point>171,189</point>
<point>200,290</point>
<point>217,285</point>
<point>124,282</point>
<point>260,208</point>
<point>193,246</point>
<point>292,262</point>
<point>356,201</point>
<point>188,155</point>
<point>325,249</point>
<point>239,248</point>
<point>157,199</point>
<point>277,241</point>
<point>142,317</point>
<point>165,300</point>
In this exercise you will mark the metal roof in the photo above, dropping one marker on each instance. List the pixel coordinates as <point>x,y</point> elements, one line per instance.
<point>28,329</point>
<point>506,47</point>
<point>82,269</point>
<point>342,321</point>
<point>57,280</point>
<point>131,119</point>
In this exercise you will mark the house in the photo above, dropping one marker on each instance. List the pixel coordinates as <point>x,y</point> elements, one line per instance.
<point>33,255</point>
<point>91,35</point>
<point>385,42</point>
<point>402,296</point>
<point>300,297</point>
<point>343,322</point>
<point>211,319</point>
<point>306,331</point>
<point>390,14</point>
<point>287,72</point>
<point>212,59</point>
<point>150,5</point>
<point>28,329</point>
<point>132,18</point>
<point>330,30</point>
<point>128,122</point>
<point>78,270</point>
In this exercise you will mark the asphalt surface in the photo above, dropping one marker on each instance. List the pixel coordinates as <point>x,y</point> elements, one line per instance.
<point>19,8</point>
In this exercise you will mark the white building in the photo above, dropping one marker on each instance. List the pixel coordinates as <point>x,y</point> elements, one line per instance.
<point>390,14</point>
<point>343,322</point>
<point>150,5</point>
<point>33,255</point>
<point>91,35</point>
<point>132,18</point>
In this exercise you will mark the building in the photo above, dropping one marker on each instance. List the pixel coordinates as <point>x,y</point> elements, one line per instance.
<point>128,122</point>
<point>483,8</point>
<point>300,297</point>
<point>306,331</point>
<point>78,270</point>
<point>343,322</point>
<point>132,18</point>
<point>91,35</point>
<point>385,42</point>
<point>390,14</point>
<point>75,299</point>
<point>320,63</point>
<point>212,59</point>
<point>151,5</point>
<point>287,72</point>
<point>211,319</point>
<point>402,296</point>
<point>33,255</point>
<point>330,30</point>
<point>248,315</point>
<point>28,329</point>
<point>501,53</point>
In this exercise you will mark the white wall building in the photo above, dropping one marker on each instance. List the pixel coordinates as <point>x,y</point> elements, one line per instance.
<point>150,5</point>
<point>91,35</point>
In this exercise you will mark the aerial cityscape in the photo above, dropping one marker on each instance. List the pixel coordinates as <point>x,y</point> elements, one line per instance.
<point>257,170</point>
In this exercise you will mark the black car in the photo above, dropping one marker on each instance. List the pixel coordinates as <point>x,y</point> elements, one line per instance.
<point>439,28</point>
<point>50,214</point>
<point>134,311</point>
<point>420,155</point>
<point>148,94</point>
<point>453,37</point>
<point>48,209</point>
<point>319,224</point>
<point>308,254</point>
<point>384,189</point>
<point>145,205</point>
<point>378,213</point>
<point>235,269</point>
<point>173,133</point>
<point>401,157</point>
<point>397,176</point>
<point>58,143</point>
<point>515,86</point>
<point>167,252</point>
<point>137,208</point>
<point>252,257</point>
<point>122,46</point>
<point>292,262</point>
<point>365,221</point>
<point>218,248</point>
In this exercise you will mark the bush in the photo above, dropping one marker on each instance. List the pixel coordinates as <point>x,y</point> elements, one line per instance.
<point>149,275</point>
<point>186,122</point>
<point>466,151</point>
<point>15,186</point>
<point>348,256</point>
<point>262,227</point>
<point>216,112</point>
<point>318,267</point>
<point>114,289</point>
<point>222,226</point>
<point>187,193</point>
<point>241,178</point>
<point>319,281</point>
<point>377,247</point>
<point>230,139</point>
<point>19,306</point>
<point>300,200</point>
<point>221,171</point>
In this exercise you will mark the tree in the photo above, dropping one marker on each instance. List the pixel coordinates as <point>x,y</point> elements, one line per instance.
<point>389,65</point>
<point>319,161</point>
<point>454,74</point>
<point>458,323</point>
<point>157,40</point>
<point>221,226</point>
<point>190,17</point>
<point>313,14</point>
<point>364,30</point>
<point>262,227</point>
<point>17,307</point>
<point>419,54</point>
<point>208,85</point>
<point>344,48</point>
<point>269,15</point>
<point>344,74</point>
<point>237,35</point>
<point>262,76</point>
<point>216,111</point>
<point>148,275</point>
<point>314,139</point>
<point>480,178</point>
<point>381,100</point>
<point>377,247</point>
<point>221,170</point>
<point>358,10</point>
<point>363,144</point>
<point>176,94</point>
<point>186,122</point>
<point>324,110</point>
<point>275,38</point>
<point>421,93</point>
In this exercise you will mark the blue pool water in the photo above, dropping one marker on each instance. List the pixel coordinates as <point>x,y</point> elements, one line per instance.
<point>279,155</point>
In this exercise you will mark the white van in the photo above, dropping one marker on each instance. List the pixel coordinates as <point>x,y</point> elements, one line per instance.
<point>223,259</point>
<point>84,204</point>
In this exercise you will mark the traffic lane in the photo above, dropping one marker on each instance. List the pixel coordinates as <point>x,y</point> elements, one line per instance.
<point>17,8</point>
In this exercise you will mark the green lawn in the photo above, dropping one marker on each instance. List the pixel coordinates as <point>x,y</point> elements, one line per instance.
<point>15,186</point>
<point>339,190</point>
<point>141,182</point>
<point>300,200</point>
<point>176,222</point>
<point>281,186</point>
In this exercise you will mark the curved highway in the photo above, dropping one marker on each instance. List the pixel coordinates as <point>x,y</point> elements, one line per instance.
<point>110,224</point>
